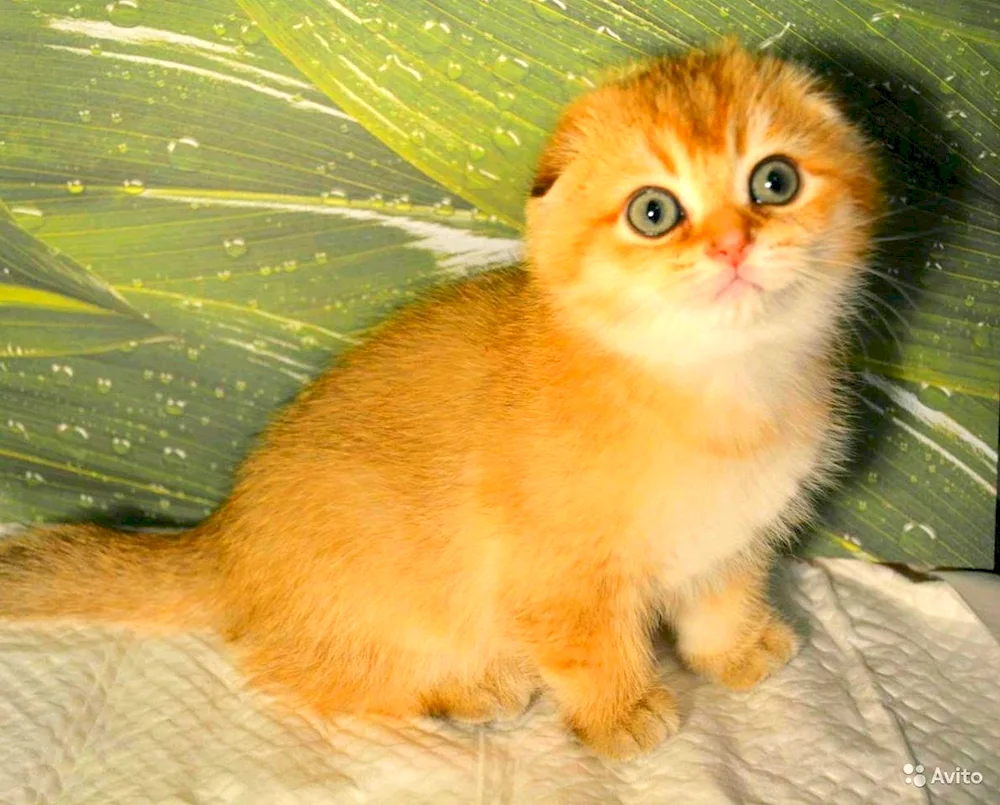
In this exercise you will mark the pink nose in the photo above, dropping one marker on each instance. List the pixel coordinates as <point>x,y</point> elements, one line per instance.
<point>730,247</point>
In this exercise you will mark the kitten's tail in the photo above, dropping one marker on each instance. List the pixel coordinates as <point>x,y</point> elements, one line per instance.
<point>96,574</point>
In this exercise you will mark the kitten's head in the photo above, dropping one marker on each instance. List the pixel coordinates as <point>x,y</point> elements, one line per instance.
<point>701,207</point>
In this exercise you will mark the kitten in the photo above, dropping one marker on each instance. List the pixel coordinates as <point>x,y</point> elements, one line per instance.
<point>509,485</point>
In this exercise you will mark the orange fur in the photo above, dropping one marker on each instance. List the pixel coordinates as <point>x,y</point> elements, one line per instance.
<point>510,483</point>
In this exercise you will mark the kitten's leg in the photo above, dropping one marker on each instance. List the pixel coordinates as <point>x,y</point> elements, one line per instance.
<point>596,655</point>
<point>729,632</point>
<point>503,691</point>
<point>331,684</point>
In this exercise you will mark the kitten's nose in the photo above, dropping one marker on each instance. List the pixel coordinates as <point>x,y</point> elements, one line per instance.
<point>730,247</point>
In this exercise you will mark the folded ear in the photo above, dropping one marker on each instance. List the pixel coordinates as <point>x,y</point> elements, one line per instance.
<point>546,173</point>
<point>562,146</point>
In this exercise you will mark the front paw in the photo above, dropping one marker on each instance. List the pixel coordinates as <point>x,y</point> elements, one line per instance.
<point>762,652</point>
<point>503,693</point>
<point>639,729</point>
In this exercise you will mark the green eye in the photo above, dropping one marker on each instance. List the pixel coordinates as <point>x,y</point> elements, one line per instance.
<point>653,211</point>
<point>775,181</point>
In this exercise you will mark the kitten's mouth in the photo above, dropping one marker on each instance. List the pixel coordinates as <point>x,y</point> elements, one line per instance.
<point>737,287</point>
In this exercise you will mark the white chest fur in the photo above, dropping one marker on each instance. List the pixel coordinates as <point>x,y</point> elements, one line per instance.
<point>721,507</point>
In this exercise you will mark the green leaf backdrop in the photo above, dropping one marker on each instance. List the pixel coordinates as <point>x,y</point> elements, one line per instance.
<point>204,201</point>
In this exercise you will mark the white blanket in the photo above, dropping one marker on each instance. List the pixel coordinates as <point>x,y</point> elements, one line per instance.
<point>892,672</point>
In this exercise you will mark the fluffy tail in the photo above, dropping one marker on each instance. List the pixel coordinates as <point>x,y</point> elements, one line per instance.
<point>96,574</point>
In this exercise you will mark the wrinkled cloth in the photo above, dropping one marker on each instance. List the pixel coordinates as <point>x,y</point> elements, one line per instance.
<point>894,675</point>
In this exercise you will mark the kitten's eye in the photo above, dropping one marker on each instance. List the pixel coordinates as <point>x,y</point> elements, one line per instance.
<point>775,180</point>
<point>653,211</point>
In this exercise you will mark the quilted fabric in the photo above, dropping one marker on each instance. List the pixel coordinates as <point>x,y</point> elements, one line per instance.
<point>893,674</point>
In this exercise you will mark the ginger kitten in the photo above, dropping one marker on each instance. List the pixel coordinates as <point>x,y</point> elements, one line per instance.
<point>510,485</point>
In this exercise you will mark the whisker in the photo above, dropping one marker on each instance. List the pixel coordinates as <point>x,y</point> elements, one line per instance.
<point>882,335</point>
<point>880,259</point>
<point>908,235</point>
<point>860,341</point>
<point>879,300</point>
<point>813,273</point>
<point>895,282</point>
<point>836,263</point>
<point>687,281</point>
<point>919,206</point>
<point>893,335</point>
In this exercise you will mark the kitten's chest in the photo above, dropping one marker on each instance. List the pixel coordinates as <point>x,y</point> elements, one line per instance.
<point>706,509</point>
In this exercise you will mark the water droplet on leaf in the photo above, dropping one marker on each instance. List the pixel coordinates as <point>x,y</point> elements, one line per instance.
<point>124,13</point>
<point>234,247</point>
<point>250,33</point>
<point>335,198</point>
<point>184,154</point>
<point>63,429</point>
<point>63,374</point>
<point>505,139</point>
<point>512,69</point>
<point>885,22</point>
<point>551,11</point>
<point>926,529</point>
<point>505,99</point>
<point>432,36</point>
<point>28,218</point>
<point>174,407</point>
<point>174,455</point>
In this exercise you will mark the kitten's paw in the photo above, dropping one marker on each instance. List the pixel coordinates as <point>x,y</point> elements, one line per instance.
<point>498,697</point>
<point>751,661</point>
<point>640,729</point>
<point>481,706</point>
